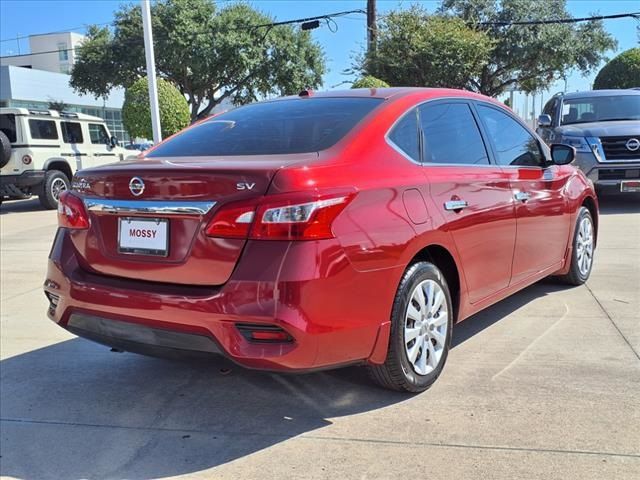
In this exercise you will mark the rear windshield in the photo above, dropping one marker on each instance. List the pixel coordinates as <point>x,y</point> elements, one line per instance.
<point>601,109</point>
<point>271,128</point>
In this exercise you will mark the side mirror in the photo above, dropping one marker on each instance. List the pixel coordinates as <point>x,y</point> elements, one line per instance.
<point>113,141</point>
<point>562,154</point>
<point>544,120</point>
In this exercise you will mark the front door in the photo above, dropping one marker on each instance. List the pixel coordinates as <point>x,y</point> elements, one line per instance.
<point>474,196</point>
<point>542,218</point>
<point>102,153</point>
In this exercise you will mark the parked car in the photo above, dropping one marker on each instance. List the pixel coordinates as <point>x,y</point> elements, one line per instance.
<point>321,230</point>
<point>141,147</point>
<point>41,149</point>
<point>604,128</point>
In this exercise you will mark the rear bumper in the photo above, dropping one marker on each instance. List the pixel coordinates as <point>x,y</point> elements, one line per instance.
<point>278,284</point>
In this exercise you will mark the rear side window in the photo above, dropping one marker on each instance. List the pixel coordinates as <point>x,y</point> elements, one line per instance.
<point>98,134</point>
<point>451,135</point>
<point>271,128</point>
<point>513,143</point>
<point>404,135</point>
<point>8,126</point>
<point>71,132</point>
<point>43,129</point>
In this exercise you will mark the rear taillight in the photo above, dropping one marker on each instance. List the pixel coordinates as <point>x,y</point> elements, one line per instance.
<point>300,216</point>
<point>71,212</point>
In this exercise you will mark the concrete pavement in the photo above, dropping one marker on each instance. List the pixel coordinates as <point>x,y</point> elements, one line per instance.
<point>543,385</point>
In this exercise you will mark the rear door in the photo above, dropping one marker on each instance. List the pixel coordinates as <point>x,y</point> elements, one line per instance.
<point>474,195</point>
<point>74,148</point>
<point>542,217</point>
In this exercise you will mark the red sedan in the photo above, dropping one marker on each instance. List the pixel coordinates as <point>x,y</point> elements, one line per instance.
<point>321,230</point>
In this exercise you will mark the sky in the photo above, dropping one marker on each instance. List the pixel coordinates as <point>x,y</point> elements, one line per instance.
<point>24,17</point>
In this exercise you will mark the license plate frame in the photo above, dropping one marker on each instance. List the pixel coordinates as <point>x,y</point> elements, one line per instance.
<point>630,186</point>
<point>131,249</point>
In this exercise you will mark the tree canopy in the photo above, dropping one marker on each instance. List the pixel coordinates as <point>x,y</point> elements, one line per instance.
<point>461,46</point>
<point>369,82</point>
<point>621,72</point>
<point>531,57</point>
<point>136,111</point>
<point>416,49</point>
<point>209,54</point>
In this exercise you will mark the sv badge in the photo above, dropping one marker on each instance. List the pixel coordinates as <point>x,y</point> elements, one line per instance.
<point>245,186</point>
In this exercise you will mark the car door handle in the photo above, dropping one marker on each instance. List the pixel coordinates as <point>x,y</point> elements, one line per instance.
<point>522,196</point>
<point>455,205</point>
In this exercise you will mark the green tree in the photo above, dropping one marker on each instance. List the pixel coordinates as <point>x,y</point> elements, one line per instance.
<point>57,105</point>
<point>136,111</point>
<point>369,81</point>
<point>415,49</point>
<point>621,72</point>
<point>530,56</point>
<point>209,54</point>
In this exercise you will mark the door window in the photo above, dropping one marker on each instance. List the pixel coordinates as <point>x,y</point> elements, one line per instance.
<point>451,135</point>
<point>8,126</point>
<point>551,108</point>
<point>71,132</point>
<point>404,135</point>
<point>43,129</point>
<point>513,143</point>
<point>98,134</point>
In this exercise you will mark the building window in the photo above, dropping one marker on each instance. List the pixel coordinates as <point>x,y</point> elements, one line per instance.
<point>63,53</point>
<point>66,69</point>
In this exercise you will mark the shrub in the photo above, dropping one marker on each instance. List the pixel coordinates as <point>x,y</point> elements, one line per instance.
<point>621,72</point>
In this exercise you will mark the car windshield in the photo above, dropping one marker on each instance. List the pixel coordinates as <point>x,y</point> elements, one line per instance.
<point>601,109</point>
<point>271,128</point>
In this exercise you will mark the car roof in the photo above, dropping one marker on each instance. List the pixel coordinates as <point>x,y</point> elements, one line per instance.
<point>43,113</point>
<point>599,93</point>
<point>384,93</point>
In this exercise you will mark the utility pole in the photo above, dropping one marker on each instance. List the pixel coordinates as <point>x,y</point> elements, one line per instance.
<point>372,29</point>
<point>151,71</point>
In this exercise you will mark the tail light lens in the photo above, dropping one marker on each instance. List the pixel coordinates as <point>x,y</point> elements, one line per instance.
<point>71,212</point>
<point>305,216</point>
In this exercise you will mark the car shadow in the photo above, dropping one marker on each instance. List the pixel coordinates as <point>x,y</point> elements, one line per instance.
<point>17,206</point>
<point>619,203</point>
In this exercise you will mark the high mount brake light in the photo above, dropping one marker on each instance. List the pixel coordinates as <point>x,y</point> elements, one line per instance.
<point>303,216</point>
<point>72,212</point>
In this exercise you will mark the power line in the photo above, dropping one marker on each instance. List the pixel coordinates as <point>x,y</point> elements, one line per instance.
<point>635,15</point>
<point>22,37</point>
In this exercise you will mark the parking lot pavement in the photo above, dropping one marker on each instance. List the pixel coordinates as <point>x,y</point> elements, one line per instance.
<point>543,385</point>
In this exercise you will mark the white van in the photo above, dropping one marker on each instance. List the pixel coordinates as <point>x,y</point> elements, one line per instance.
<point>40,150</point>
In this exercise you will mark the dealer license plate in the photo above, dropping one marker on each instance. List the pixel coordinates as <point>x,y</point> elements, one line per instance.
<point>143,236</point>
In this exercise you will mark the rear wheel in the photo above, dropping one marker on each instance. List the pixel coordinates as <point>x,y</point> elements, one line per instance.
<point>55,182</point>
<point>421,324</point>
<point>582,253</point>
<point>5,149</point>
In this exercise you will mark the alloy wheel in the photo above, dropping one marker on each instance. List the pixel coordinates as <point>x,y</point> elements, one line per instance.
<point>584,245</point>
<point>57,187</point>
<point>425,328</point>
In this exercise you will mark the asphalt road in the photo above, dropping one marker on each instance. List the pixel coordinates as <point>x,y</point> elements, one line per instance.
<point>543,385</point>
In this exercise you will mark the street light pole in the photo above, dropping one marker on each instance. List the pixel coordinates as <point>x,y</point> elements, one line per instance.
<point>151,70</point>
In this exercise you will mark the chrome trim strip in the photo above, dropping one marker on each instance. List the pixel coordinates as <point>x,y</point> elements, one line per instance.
<point>156,207</point>
<point>453,205</point>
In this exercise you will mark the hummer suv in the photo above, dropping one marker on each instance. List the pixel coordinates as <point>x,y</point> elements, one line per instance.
<point>604,128</point>
<point>40,150</point>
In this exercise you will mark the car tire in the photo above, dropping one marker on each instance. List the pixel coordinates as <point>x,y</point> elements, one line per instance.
<point>5,149</point>
<point>55,182</point>
<point>582,251</point>
<point>411,366</point>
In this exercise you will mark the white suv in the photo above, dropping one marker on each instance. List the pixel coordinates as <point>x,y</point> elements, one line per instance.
<point>40,150</point>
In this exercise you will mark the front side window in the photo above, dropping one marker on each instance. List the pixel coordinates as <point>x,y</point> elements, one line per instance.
<point>71,132</point>
<point>451,135</point>
<point>601,109</point>
<point>271,128</point>
<point>8,126</point>
<point>98,134</point>
<point>513,143</point>
<point>551,109</point>
<point>404,135</point>
<point>43,129</point>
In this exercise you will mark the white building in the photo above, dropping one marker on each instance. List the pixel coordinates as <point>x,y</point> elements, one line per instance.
<point>53,52</point>
<point>36,79</point>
